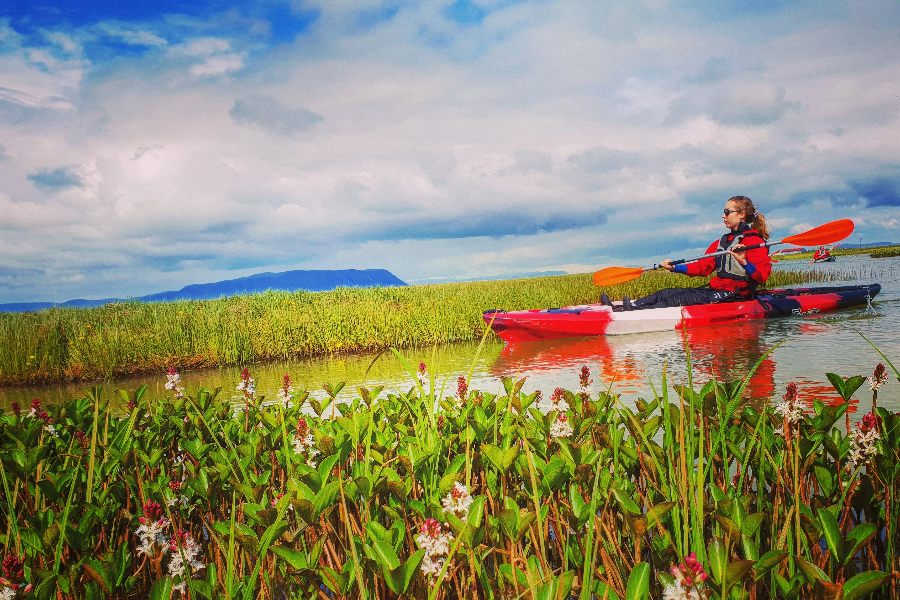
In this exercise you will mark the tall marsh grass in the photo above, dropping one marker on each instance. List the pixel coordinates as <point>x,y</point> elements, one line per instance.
<point>69,344</point>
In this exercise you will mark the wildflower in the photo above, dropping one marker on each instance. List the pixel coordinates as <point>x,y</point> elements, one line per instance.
<point>304,442</point>
<point>561,427</point>
<point>584,379</point>
<point>82,439</point>
<point>878,378</point>
<point>286,392</point>
<point>689,578</point>
<point>38,412</point>
<point>462,388</point>
<point>790,407</point>
<point>17,410</point>
<point>13,568</point>
<point>458,501</point>
<point>422,374</point>
<point>690,572</point>
<point>131,406</point>
<point>247,385</point>
<point>173,381</point>
<point>150,531</point>
<point>7,593</point>
<point>558,399</point>
<point>175,499</point>
<point>184,551</point>
<point>436,545</point>
<point>676,591</point>
<point>864,440</point>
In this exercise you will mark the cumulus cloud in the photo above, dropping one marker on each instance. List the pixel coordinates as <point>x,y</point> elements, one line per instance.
<point>437,140</point>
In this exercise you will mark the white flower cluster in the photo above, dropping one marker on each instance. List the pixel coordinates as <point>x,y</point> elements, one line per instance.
<point>7,593</point>
<point>248,386</point>
<point>863,445</point>
<point>458,501</point>
<point>284,395</point>
<point>436,545</point>
<point>561,427</point>
<point>792,411</point>
<point>306,445</point>
<point>184,554</point>
<point>150,533</point>
<point>173,383</point>
<point>676,591</point>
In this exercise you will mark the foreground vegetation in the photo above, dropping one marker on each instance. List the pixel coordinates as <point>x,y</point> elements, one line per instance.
<point>131,338</point>
<point>427,494</point>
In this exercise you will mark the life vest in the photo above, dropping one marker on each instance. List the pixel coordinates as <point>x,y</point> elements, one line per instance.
<point>727,266</point>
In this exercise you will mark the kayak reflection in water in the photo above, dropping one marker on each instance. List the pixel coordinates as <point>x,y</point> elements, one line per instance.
<point>737,273</point>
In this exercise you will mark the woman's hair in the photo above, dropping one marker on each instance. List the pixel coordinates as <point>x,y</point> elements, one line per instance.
<point>751,216</point>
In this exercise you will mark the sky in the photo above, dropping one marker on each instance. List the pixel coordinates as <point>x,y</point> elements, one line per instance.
<point>145,146</point>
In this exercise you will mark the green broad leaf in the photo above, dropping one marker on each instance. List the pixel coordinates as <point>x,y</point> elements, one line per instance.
<point>812,572</point>
<point>94,569</point>
<point>751,524</point>
<point>856,539</point>
<point>825,477</point>
<point>625,501</point>
<point>509,457</point>
<point>735,571</point>
<point>295,558</point>
<point>509,522</point>
<point>657,512</point>
<point>476,512</point>
<point>730,526</point>
<point>556,588</point>
<point>494,454</point>
<point>554,474</point>
<point>383,553</point>
<point>832,534</point>
<point>399,579</point>
<point>863,584</point>
<point>638,586</point>
<point>162,589</point>
<point>845,386</point>
<point>767,561</point>
<point>603,591</point>
<point>715,552</point>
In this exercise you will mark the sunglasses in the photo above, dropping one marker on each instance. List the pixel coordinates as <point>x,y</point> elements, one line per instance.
<point>728,211</point>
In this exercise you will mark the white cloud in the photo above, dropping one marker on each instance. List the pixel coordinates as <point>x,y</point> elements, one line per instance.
<point>541,136</point>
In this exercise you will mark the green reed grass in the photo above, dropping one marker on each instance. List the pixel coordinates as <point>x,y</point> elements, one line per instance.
<point>68,344</point>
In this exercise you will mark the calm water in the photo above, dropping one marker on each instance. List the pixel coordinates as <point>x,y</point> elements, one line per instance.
<point>803,349</point>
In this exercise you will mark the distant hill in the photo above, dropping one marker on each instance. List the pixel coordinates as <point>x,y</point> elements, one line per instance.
<point>313,281</point>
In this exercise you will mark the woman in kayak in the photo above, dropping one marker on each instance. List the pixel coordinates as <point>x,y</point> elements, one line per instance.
<point>736,274</point>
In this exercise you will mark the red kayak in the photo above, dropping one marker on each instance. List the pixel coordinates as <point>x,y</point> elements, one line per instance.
<point>598,319</point>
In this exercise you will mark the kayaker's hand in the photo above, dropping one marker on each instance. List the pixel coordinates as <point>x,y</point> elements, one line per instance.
<point>667,264</point>
<point>739,254</point>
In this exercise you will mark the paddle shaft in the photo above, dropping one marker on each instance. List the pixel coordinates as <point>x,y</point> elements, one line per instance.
<point>681,261</point>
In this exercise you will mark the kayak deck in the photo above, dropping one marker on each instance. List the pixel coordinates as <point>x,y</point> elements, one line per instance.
<point>598,319</point>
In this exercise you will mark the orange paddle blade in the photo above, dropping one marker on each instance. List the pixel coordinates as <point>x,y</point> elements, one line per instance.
<point>828,233</point>
<point>614,275</point>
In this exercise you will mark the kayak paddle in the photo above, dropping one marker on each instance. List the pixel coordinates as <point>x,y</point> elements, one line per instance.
<point>828,233</point>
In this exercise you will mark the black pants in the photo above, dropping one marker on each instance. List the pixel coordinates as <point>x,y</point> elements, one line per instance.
<point>682,297</point>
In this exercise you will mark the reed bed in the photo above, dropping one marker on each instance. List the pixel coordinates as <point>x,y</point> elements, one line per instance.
<point>879,252</point>
<point>132,338</point>
<point>464,494</point>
